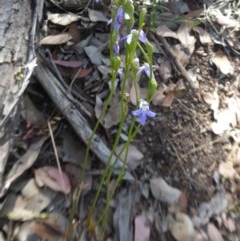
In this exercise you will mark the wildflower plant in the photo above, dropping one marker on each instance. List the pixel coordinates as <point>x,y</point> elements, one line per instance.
<point>135,38</point>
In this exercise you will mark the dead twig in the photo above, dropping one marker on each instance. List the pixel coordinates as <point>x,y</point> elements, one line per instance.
<point>68,106</point>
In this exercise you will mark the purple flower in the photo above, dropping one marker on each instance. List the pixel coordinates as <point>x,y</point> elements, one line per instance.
<point>119,18</point>
<point>116,46</point>
<point>142,36</point>
<point>143,112</point>
<point>96,1</point>
<point>146,69</point>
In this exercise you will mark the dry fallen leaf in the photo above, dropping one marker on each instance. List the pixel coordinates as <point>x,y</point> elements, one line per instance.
<point>50,176</point>
<point>165,69</point>
<point>213,233</point>
<point>164,192</point>
<point>142,228</point>
<point>133,157</point>
<point>181,227</point>
<point>37,230</point>
<point>203,35</point>
<point>181,54</point>
<point>206,210</point>
<point>70,63</point>
<point>113,115</point>
<point>23,164</point>
<point>75,32</point>
<point>164,31</point>
<point>224,119</point>
<point>57,39</point>
<point>97,16</point>
<point>222,63</point>
<point>164,96</point>
<point>63,19</point>
<point>82,73</point>
<point>186,38</point>
<point>94,55</point>
<point>227,170</point>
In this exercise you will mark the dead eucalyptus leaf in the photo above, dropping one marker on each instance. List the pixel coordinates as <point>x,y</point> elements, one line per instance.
<point>164,31</point>
<point>75,32</point>
<point>222,63</point>
<point>179,53</point>
<point>142,228</point>
<point>94,54</point>
<point>51,177</point>
<point>69,63</point>
<point>133,157</point>
<point>82,73</point>
<point>165,69</point>
<point>164,192</point>
<point>37,230</point>
<point>206,210</point>
<point>213,233</point>
<point>97,16</point>
<point>113,115</point>
<point>185,37</point>
<point>63,19</point>
<point>57,39</point>
<point>224,119</point>
<point>24,163</point>
<point>204,36</point>
<point>227,170</point>
<point>181,227</point>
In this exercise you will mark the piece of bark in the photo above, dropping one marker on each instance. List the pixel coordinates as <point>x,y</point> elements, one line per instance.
<point>18,22</point>
<point>67,105</point>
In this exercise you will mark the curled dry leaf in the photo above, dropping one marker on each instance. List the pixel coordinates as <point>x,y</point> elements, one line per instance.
<point>181,227</point>
<point>203,35</point>
<point>213,233</point>
<point>142,228</point>
<point>164,96</point>
<point>164,192</point>
<point>227,170</point>
<point>224,119</point>
<point>50,176</point>
<point>185,37</point>
<point>133,157</point>
<point>222,63</point>
<point>63,19</point>
<point>164,31</point>
<point>165,69</point>
<point>57,39</point>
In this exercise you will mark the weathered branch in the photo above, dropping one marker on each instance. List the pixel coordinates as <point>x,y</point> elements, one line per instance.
<point>66,104</point>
